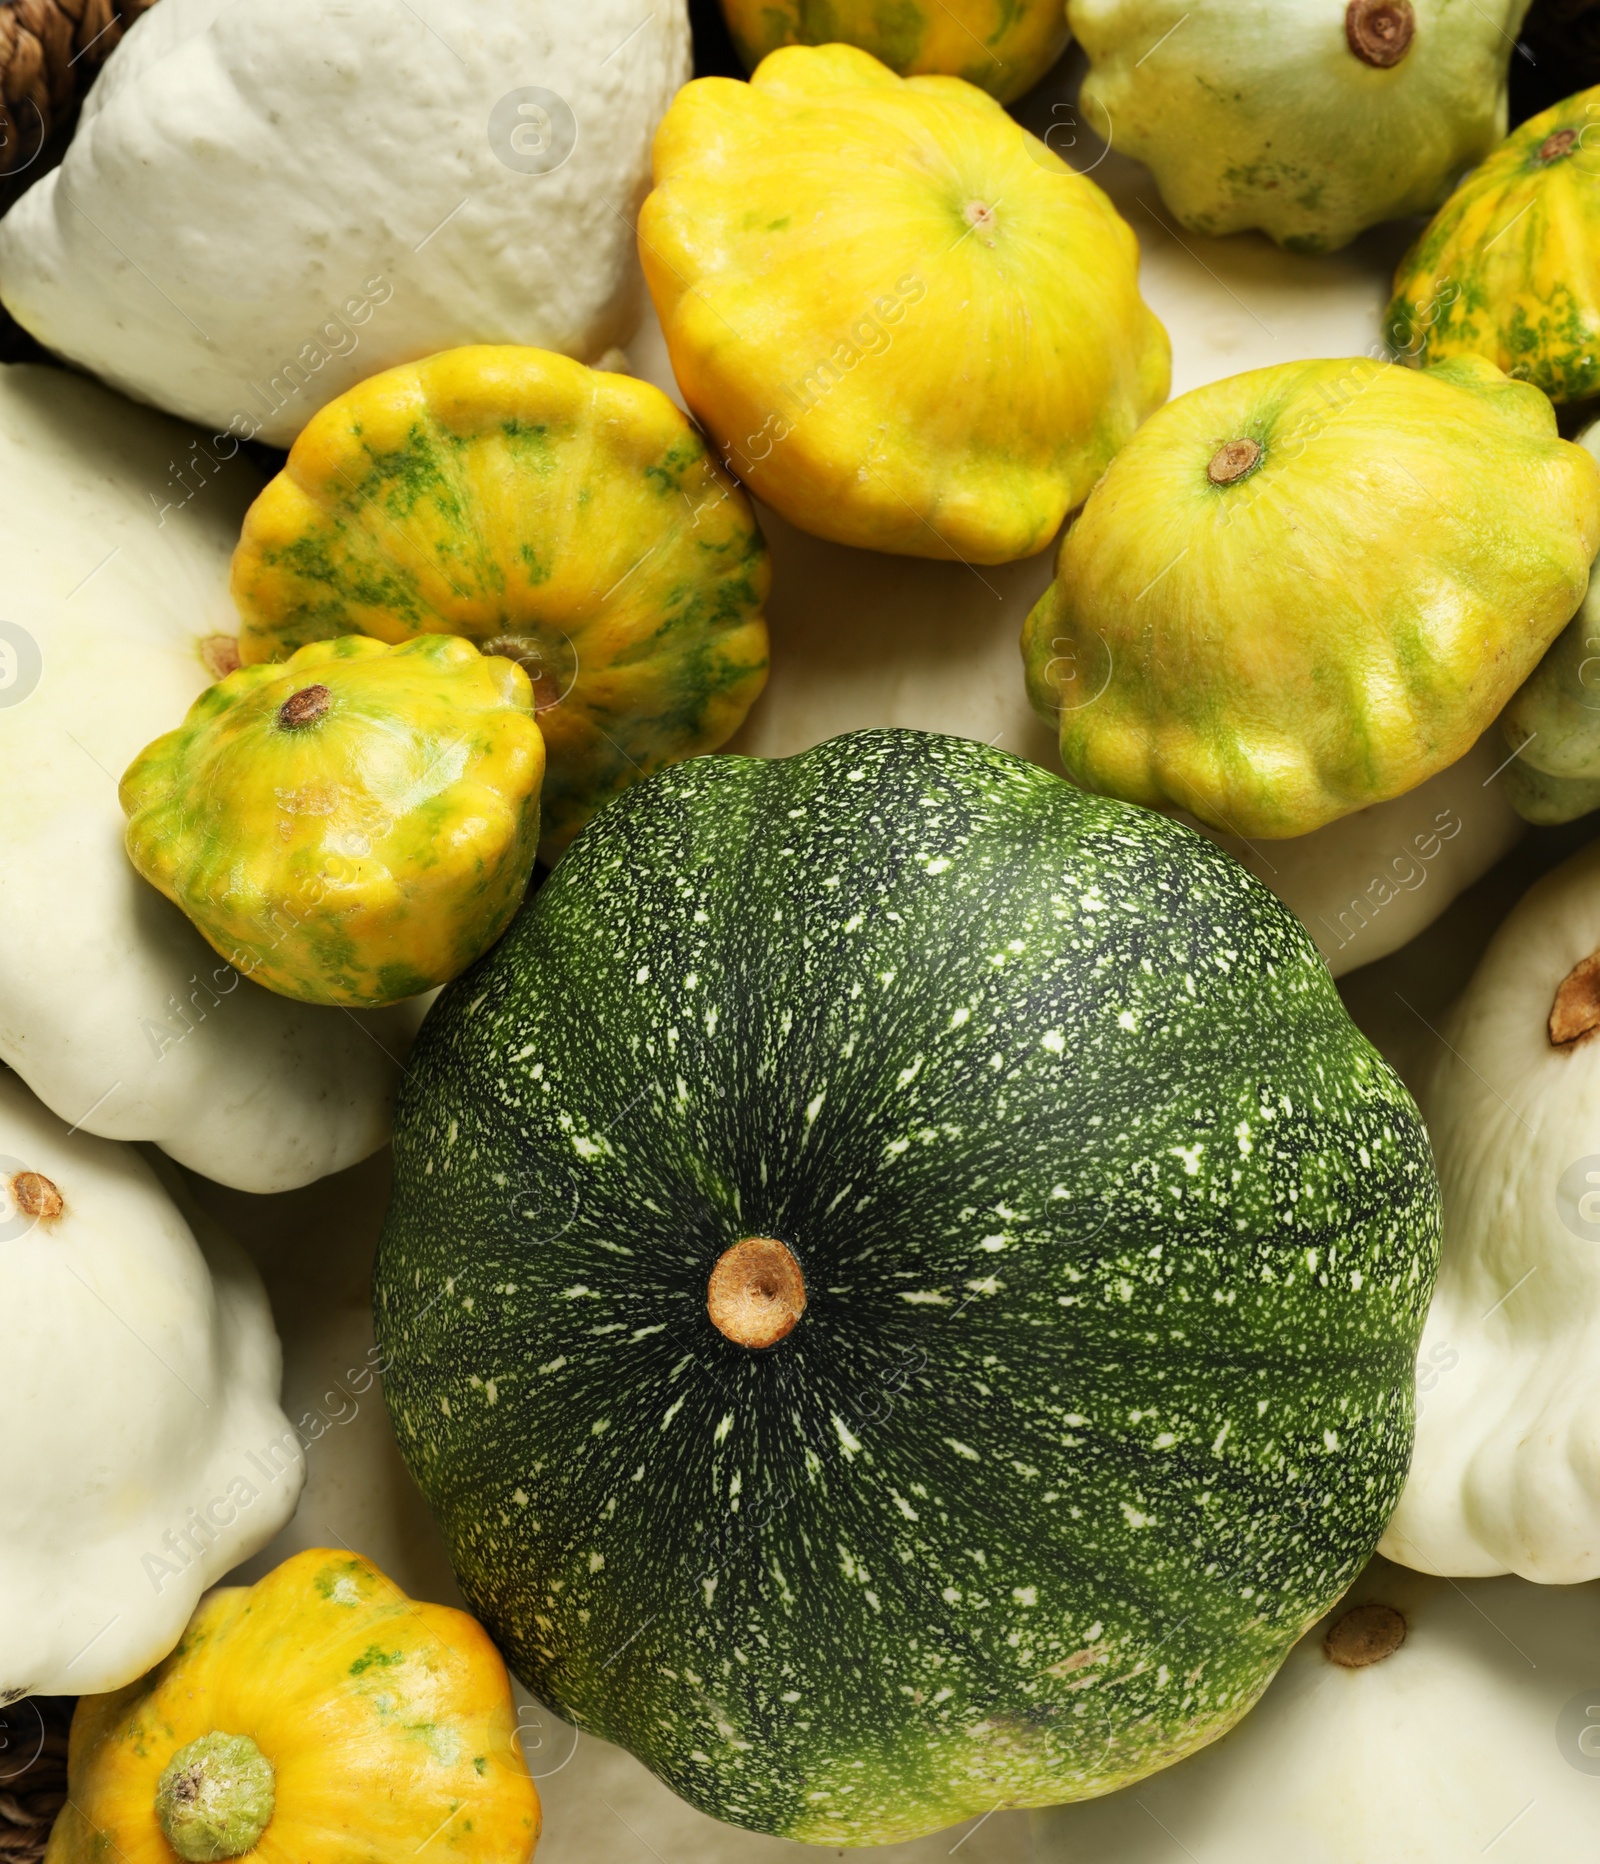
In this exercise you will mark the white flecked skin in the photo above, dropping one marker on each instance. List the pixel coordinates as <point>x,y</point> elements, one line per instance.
<point>115,533</point>
<point>1506,1476</point>
<point>1117,1239</point>
<point>144,1453</point>
<point>384,222</point>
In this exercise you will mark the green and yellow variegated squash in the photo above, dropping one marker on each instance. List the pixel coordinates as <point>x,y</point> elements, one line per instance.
<point>1509,267</point>
<point>354,826</point>
<point>569,518</point>
<point>1308,588</point>
<point>1002,46</point>
<point>317,1717</point>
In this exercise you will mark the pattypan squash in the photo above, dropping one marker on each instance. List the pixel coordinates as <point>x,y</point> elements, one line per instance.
<point>1551,728</point>
<point>980,1183</point>
<point>1420,1721</point>
<point>1369,882</point>
<point>1310,119</point>
<point>266,202</point>
<point>1539,797</point>
<point>907,323</point>
<point>112,1007</point>
<point>353,826</point>
<point>319,1714</point>
<point>1002,46</point>
<point>144,1452</point>
<point>568,518</point>
<point>1507,268</point>
<point>1362,886</point>
<point>1506,1476</point>
<point>1308,588</point>
<point>1552,725</point>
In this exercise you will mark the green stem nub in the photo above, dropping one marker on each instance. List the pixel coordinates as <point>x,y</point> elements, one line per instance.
<point>215,1798</point>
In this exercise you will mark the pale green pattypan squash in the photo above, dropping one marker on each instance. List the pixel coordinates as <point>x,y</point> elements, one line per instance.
<point>1307,589</point>
<point>116,617</point>
<point>268,200</point>
<point>1419,1722</point>
<point>1309,119</point>
<point>1553,720</point>
<point>1506,1472</point>
<point>144,1453</point>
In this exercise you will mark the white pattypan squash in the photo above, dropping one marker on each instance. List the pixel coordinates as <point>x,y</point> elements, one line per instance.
<point>1367,884</point>
<point>144,1452</point>
<point>267,201</point>
<point>1505,1476</point>
<point>112,1007</point>
<point>1420,1722</point>
<point>1310,119</point>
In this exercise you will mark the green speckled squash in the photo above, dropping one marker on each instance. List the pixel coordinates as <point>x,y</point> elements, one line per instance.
<point>1002,46</point>
<point>902,1286</point>
<point>354,826</point>
<point>1509,267</point>
<point>567,517</point>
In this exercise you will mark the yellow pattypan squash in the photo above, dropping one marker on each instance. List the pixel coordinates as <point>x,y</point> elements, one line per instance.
<point>354,826</point>
<point>570,518</point>
<point>1002,46</point>
<point>1509,267</point>
<point>906,322</point>
<point>1306,589</point>
<point>317,1717</point>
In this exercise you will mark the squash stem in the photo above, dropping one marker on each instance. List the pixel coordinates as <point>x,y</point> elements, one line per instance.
<point>215,1798</point>
<point>756,1294</point>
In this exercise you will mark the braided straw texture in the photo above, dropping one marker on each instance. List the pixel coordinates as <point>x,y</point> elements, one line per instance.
<point>49,53</point>
<point>33,1774</point>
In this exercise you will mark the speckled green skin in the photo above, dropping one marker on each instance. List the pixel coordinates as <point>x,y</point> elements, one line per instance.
<point>1117,1237</point>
